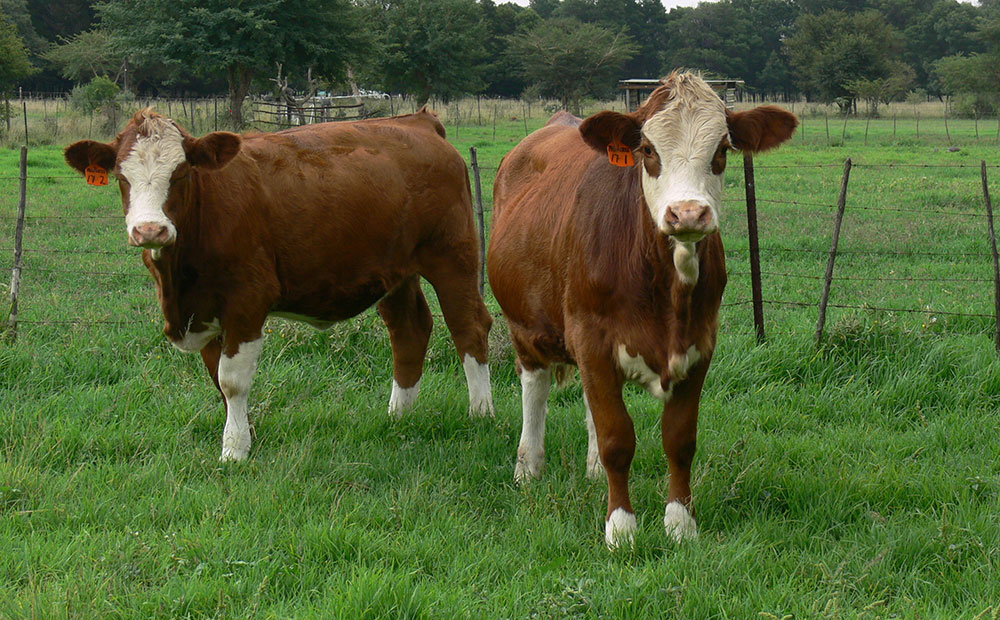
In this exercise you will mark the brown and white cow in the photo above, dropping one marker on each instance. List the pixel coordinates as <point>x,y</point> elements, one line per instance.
<point>315,223</point>
<point>620,270</point>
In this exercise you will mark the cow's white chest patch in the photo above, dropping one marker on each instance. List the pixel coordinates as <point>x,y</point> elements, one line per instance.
<point>192,342</point>
<point>636,370</point>
<point>680,365</point>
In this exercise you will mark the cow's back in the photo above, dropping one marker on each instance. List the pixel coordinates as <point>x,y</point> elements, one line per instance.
<point>343,210</point>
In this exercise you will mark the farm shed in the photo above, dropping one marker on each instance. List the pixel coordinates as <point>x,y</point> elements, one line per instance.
<point>636,89</point>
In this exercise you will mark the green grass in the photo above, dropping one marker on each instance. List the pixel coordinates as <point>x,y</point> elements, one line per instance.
<point>858,480</point>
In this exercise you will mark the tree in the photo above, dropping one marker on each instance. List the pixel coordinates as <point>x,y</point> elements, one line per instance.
<point>14,62</point>
<point>974,78</point>
<point>832,49</point>
<point>86,55</point>
<point>433,47</point>
<point>241,39</point>
<point>568,59</point>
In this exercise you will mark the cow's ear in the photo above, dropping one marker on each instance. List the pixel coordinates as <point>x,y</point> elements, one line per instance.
<point>761,128</point>
<point>603,128</point>
<point>212,151</point>
<point>84,153</point>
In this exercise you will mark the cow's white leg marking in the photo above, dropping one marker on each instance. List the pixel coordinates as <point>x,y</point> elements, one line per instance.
<point>535,385</point>
<point>679,522</point>
<point>620,529</point>
<point>595,469</point>
<point>235,376</point>
<point>480,396</point>
<point>403,399</point>
<point>681,364</point>
<point>686,261</point>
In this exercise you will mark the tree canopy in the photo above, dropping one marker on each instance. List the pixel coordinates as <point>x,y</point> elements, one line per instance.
<point>240,39</point>
<point>829,50</point>
<point>568,59</point>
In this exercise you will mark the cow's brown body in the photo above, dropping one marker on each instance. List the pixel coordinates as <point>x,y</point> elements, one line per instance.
<point>317,223</point>
<point>585,276</point>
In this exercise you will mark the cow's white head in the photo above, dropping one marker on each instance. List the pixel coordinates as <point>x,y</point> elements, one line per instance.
<point>679,137</point>
<point>150,157</point>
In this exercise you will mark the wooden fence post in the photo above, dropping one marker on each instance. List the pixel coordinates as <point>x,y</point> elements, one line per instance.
<point>755,286</point>
<point>15,276</point>
<point>996,260</point>
<point>481,221</point>
<point>24,107</point>
<point>841,203</point>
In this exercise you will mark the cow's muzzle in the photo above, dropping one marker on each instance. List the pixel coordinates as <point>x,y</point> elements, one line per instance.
<point>151,236</point>
<point>689,220</point>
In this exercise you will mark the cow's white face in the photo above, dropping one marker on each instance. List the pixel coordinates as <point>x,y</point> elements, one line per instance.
<point>683,156</point>
<point>146,173</point>
<point>150,157</point>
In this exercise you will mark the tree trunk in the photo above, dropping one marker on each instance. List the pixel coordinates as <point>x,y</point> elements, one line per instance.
<point>239,87</point>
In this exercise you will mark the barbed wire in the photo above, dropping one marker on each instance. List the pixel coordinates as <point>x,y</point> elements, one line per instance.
<point>861,279</point>
<point>861,252</point>
<point>876,308</point>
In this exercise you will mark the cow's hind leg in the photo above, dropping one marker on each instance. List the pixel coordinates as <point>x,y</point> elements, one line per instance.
<point>457,285</point>
<point>535,386</point>
<point>237,365</point>
<point>408,318</point>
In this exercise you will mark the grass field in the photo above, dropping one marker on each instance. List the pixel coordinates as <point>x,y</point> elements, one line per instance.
<point>857,480</point>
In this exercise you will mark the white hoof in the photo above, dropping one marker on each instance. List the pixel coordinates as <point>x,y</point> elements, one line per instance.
<point>403,399</point>
<point>679,522</point>
<point>529,465</point>
<point>619,530</point>
<point>235,447</point>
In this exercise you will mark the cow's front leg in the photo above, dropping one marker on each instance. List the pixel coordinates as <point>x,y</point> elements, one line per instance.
<point>594,468</point>
<point>237,365</point>
<point>679,426</point>
<point>616,444</point>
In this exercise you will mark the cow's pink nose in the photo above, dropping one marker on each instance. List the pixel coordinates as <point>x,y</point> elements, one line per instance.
<point>150,236</point>
<point>689,217</point>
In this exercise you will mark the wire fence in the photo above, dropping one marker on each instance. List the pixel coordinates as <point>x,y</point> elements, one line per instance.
<point>52,256</point>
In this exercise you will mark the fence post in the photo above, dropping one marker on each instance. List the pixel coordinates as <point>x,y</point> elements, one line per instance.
<point>751,195</point>
<point>481,222</point>
<point>996,260</point>
<point>15,276</point>
<point>841,203</point>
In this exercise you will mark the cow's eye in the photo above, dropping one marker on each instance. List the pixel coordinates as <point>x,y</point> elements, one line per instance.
<point>646,150</point>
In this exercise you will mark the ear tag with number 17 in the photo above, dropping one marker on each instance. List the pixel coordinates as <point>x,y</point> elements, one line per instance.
<point>620,155</point>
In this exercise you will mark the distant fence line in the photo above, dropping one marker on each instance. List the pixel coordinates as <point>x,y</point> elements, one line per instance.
<point>20,272</point>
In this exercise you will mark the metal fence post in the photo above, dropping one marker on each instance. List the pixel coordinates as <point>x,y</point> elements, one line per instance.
<point>996,260</point>
<point>481,222</point>
<point>751,195</point>
<point>15,276</point>
<point>841,203</point>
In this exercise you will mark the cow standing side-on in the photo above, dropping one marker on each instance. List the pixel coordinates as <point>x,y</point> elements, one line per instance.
<point>316,224</point>
<point>620,269</point>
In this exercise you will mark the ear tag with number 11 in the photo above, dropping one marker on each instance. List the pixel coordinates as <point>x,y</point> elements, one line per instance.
<point>96,175</point>
<point>620,155</point>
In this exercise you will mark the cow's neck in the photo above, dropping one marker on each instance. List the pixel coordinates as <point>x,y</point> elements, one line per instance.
<point>175,268</point>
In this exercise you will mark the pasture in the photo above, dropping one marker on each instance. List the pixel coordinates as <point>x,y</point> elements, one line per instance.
<point>859,479</point>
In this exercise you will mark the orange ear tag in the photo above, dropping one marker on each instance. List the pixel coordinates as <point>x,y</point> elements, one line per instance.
<point>96,175</point>
<point>620,155</point>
